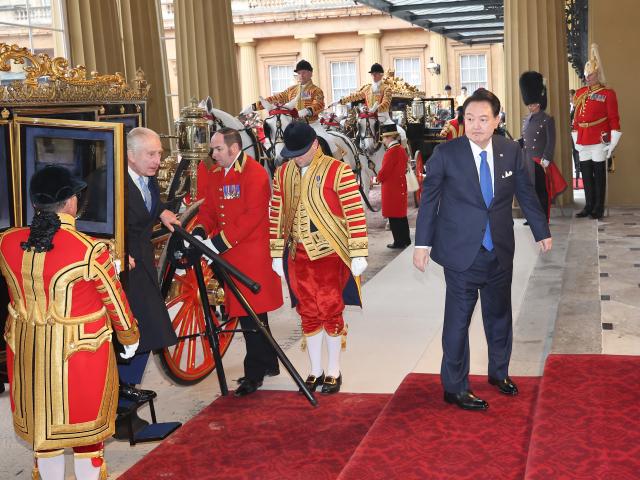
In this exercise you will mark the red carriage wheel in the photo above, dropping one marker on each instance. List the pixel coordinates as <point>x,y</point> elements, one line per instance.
<point>191,359</point>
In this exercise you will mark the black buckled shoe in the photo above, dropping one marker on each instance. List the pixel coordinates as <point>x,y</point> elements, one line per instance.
<point>129,392</point>
<point>466,400</point>
<point>505,386</point>
<point>331,384</point>
<point>247,387</point>
<point>312,382</point>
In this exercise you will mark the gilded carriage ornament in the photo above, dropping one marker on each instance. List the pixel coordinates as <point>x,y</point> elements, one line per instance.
<point>52,80</point>
<point>400,88</point>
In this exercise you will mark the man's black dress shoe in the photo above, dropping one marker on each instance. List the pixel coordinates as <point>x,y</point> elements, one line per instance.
<point>331,384</point>
<point>247,387</point>
<point>134,394</point>
<point>583,213</point>
<point>1,387</point>
<point>272,372</point>
<point>312,382</point>
<point>466,400</point>
<point>596,215</point>
<point>505,386</point>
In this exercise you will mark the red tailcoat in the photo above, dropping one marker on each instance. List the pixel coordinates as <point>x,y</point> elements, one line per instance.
<point>235,214</point>
<point>596,114</point>
<point>393,178</point>
<point>65,305</point>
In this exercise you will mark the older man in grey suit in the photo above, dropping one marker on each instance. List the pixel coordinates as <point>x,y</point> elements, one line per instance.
<point>538,134</point>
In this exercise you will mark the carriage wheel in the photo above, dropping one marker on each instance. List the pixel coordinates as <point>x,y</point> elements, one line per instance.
<point>191,359</point>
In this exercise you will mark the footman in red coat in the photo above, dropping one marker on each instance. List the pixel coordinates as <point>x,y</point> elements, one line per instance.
<point>235,214</point>
<point>393,178</point>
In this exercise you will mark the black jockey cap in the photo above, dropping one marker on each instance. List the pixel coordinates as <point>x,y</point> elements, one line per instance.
<point>53,184</point>
<point>376,68</point>
<point>298,138</point>
<point>533,89</point>
<point>387,129</point>
<point>303,65</point>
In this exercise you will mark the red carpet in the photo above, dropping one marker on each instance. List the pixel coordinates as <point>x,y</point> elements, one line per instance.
<point>587,421</point>
<point>268,435</point>
<point>418,436</point>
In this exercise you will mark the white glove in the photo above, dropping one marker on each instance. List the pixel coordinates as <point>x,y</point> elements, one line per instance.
<point>358,266</point>
<point>615,138</point>
<point>574,136</point>
<point>129,350</point>
<point>305,112</point>
<point>374,108</point>
<point>247,110</point>
<point>545,163</point>
<point>291,105</point>
<point>278,266</point>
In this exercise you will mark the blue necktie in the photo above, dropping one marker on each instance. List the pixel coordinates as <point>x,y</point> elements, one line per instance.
<point>486,185</point>
<point>146,193</point>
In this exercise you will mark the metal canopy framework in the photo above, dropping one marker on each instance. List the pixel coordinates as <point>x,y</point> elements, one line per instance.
<point>466,21</point>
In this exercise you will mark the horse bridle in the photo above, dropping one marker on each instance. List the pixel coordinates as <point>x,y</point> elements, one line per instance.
<point>368,131</point>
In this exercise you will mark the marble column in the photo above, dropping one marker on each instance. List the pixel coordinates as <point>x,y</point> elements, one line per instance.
<point>141,24</point>
<point>206,53</point>
<point>372,51</point>
<point>437,50</point>
<point>94,35</point>
<point>535,39</point>
<point>309,51</point>
<point>248,76</point>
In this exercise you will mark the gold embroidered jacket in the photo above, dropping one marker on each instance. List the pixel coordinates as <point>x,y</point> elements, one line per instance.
<point>64,306</point>
<point>310,97</point>
<point>330,197</point>
<point>366,93</point>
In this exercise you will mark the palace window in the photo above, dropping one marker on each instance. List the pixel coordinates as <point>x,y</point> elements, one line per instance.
<point>408,68</point>
<point>280,77</point>
<point>35,24</point>
<point>473,72</point>
<point>343,79</point>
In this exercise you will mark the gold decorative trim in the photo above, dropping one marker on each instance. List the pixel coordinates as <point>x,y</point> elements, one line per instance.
<point>51,80</point>
<point>399,87</point>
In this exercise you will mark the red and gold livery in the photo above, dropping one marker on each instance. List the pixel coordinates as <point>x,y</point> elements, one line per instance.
<point>382,97</point>
<point>64,306</point>
<point>596,114</point>
<point>308,96</point>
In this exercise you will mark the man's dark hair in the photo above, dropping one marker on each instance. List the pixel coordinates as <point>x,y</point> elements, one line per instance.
<point>464,88</point>
<point>483,95</point>
<point>572,91</point>
<point>231,136</point>
<point>447,87</point>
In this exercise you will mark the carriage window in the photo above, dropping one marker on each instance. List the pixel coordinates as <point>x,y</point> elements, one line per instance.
<point>409,69</point>
<point>35,24</point>
<point>473,72</point>
<point>280,77</point>
<point>343,79</point>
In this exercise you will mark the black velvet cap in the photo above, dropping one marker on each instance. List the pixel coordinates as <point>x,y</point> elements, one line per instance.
<point>53,184</point>
<point>298,138</point>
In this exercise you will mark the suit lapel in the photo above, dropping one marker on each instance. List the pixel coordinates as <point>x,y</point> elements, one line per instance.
<point>470,169</point>
<point>136,202</point>
<point>499,167</point>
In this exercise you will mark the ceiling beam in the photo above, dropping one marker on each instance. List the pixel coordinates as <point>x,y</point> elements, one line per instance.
<point>466,29</point>
<point>454,15</point>
<point>461,3</point>
<point>456,23</point>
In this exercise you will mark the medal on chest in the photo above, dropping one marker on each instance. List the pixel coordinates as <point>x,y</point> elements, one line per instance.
<point>231,191</point>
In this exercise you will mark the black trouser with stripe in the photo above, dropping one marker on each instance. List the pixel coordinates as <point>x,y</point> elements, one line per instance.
<point>400,231</point>
<point>260,355</point>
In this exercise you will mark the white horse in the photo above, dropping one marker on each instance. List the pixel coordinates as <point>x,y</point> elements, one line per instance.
<point>341,147</point>
<point>368,136</point>
<point>219,119</point>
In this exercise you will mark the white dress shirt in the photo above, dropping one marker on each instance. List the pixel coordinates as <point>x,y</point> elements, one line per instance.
<point>134,176</point>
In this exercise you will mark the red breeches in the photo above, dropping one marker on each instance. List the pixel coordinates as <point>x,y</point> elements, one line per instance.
<point>318,286</point>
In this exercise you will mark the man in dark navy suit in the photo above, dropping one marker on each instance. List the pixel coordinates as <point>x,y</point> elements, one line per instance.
<point>465,224</point>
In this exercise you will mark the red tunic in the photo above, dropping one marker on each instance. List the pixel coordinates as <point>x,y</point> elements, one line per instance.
<point>393,178</point>
<point>65,305</point>
<point>596,114</point>
<point>235,214</point>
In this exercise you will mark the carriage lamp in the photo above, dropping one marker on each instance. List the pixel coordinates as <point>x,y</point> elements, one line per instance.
<point>433,67</point>
<point>417,108</point>
<point>193,132</point>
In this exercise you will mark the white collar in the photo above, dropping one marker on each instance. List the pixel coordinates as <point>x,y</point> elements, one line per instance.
<point>135,177</point>
<point>476,149</point>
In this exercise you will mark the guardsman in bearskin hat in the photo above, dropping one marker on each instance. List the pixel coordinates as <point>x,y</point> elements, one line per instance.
<point>393,178</point>
<point>596,132</point>
<point>65,303</point>
<point>318,224</point>
<point>376,95</point>
<point>538,134</point>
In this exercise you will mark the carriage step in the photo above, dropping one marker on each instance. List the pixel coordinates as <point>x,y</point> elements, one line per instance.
<point>155,432</point>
